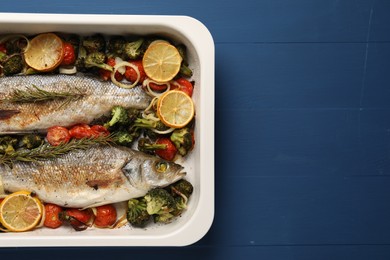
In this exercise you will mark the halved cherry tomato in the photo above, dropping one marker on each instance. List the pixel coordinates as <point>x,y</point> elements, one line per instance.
<point>131,74</point>
<point>80,131</point>
<point>105,216</point>
<point>52,218</point>
<point>78,219</point>
<point>57,135</point>
<point>184,85</point>
<point>157,87</point>
<point>69,54</point>
<point>169,152</point>
<point>99,130</point>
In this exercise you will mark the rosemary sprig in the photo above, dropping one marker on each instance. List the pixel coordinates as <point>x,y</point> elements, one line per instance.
<point>47,152</point>
<point>35,94</point>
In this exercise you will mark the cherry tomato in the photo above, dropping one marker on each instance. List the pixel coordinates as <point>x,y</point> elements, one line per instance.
<point>169,152</point>
<point>69,54</point>
<point>157,87</point>
<point>57,135</point>
<point>105,216</point>
<point>52,219</point>
<point>184,85</point>
<point>131,74</point>
<point>111,62</point>
<point>78,219</point>
<point>99,130</point>
<point>81,131</point>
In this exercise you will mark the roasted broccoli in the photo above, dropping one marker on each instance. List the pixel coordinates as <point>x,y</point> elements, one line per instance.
<point>116,47</point>
<point>7,144</point>
<point>180,188</point>
<point>97,59</point>
<point>80,61</point>
<point>94,43</point>
<point>184,69</point>
<point>159,201</point>
<point>31,141</point>
<point>13,65</point>
<point>182,138</point>
<point>147,146</point>
<point>13,46</point>
<point>137,214</point>
<point>133,50</point>
<point>150,124</point>
<point>125,138</point>
<point>119,116</point>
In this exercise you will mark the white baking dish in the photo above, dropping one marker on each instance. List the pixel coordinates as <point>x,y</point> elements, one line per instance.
<point>196,221</point>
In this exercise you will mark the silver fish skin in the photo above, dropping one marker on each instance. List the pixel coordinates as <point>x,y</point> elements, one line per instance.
<point>97,176</point>
<point>98,99</point>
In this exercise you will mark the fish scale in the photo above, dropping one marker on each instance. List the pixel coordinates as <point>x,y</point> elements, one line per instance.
<point>98,99</point>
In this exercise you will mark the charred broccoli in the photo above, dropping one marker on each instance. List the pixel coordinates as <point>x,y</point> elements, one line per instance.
<point>115,47</point>
<point>13,65</point>
<point>7,144</point>
<point>31,141</point>
<point>180,188</point>
<point>159,201</point>
<point>147,146</point>
<point>184,69</point>
<point>97,59</point>
<point>182,138</point>
<point>133,50</point>
<point>125,138</point>
<point>137,214</point>
<point>94,43</point>
<point>150,124</point>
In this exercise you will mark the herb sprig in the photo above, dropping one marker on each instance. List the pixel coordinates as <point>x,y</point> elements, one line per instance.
<point>47,151</point>
<point>36,94</point>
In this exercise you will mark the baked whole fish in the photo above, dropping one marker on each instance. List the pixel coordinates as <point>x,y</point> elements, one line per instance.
<point>92,99</point>
<point>96,176</point>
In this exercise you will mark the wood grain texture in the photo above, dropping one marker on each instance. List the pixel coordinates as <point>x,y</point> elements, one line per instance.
<point>302,128</point>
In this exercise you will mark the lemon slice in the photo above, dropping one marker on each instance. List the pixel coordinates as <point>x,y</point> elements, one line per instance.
<point>20,211</point>
<point>175,108</point>
<point>45,52</point>
<point>161,61</point>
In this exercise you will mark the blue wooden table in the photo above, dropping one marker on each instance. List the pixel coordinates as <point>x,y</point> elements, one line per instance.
<point>302,128</point>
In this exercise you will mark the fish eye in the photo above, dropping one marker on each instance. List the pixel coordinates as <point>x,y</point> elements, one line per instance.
<point>161,166</point>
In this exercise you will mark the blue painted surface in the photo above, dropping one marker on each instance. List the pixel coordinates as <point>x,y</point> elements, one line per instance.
<point>302,128</point>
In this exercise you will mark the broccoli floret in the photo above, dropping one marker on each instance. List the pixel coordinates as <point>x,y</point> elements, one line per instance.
<point>94,43</point>
<point>137,214</point>
<point>133,50</point>
<point>13,65</point>
<point>97,59</point>
<point>31,141</point>
<point>119,116</point>
<point>13,46</point>
<point>116,47</point>
<point>150,124</point>
<point>159,201</point>
<point>180,188</point>
<point>7,144</point>
<point>125,138</point>
<point>80,61</point>
<point>182,138</point>
<point>184,69</point>
<point>147,146</point>
<point>3,56</point>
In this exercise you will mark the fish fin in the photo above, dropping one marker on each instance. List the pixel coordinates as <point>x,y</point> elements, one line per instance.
<point>7,114</point>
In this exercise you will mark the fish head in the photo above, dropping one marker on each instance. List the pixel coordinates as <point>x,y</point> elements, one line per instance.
<point>148,172</point>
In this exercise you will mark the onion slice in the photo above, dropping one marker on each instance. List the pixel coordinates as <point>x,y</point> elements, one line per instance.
<point>121,84</point>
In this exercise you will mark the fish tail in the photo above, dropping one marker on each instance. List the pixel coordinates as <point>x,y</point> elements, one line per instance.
<point>7,114</point>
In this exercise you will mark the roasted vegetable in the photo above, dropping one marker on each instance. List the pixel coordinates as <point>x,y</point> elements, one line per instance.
<point>181,188</point>
<point>147,146</point>
<point>7,144</point>
<point>13,65</point>
<point>115,47</point>
<point>97,59</point>
<point>133,50</point>
<point>31,141</point>
<point>183,140</point>
<point>137,214</point>
<point>94,43</point>
<point>160,204</point>
<point>125,138</point>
